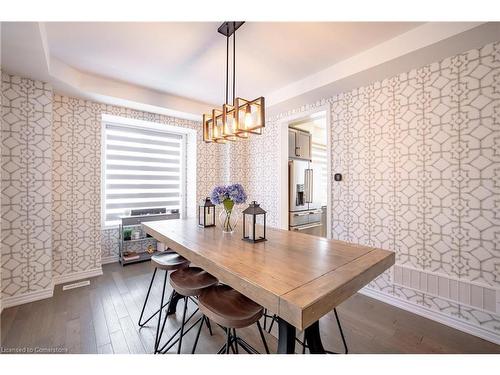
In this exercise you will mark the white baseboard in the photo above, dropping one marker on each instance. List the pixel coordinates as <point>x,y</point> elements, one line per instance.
<point>49,292</point>
<point>61,279</point>
<point>110,259</point>
<point>27,297</point>
<point>433,315</point>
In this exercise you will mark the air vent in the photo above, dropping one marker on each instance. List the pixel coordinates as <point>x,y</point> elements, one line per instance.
<point>76,285</point>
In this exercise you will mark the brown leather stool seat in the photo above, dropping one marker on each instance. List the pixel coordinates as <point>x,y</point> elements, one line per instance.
<point>229,308</point>
<point>169,261</point>
<point>190,281</point>
<point>187,282</point>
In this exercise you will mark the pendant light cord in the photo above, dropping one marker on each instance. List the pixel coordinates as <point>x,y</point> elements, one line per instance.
<point>234,62</point>
<point>227,63</point>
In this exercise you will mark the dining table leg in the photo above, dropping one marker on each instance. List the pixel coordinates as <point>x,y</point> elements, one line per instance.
<point>286,337</point>
<point>312,338</point>
<point>172,307</point>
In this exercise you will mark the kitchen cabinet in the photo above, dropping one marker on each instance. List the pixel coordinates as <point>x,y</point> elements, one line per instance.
<point>299,144</point>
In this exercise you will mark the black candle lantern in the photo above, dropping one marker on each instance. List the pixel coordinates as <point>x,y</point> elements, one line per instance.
<point>254,223</point>
<point>206,213</point>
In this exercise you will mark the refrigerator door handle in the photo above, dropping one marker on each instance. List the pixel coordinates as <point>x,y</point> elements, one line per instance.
<point>307,226</point>
<point>309,185</point>
<point>306,185</point>
<point>291,185</point>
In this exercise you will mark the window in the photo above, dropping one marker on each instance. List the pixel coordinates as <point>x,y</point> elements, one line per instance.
<point>142,168</point>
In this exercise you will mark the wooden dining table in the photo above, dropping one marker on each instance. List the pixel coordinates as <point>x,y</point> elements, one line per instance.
<point>298,277</point>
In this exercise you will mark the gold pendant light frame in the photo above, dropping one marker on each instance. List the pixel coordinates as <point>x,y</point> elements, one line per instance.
<point>243,117</point>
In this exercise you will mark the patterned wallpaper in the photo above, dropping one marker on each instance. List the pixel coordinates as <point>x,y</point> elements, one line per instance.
<point>76,177</point>
<point>234,168</point>
<point>1,158</point>
<point>51,190</point>
<point>1,184</point>
<point>26,186</point>
<point>420,154</point>
<point>80,243</point>
<point>263,174</point>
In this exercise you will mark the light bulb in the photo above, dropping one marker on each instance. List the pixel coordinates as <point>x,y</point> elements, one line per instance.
<point>248,117</point>
<point>230,128</point>
<point>233,125</point>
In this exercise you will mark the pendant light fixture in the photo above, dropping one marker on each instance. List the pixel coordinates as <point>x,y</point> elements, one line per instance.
<point>242,117</point>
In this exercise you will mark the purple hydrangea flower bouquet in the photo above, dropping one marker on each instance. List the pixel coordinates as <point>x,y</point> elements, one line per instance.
<point>228,196</point>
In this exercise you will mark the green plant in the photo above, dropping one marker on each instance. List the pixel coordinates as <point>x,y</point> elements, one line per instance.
<point>127,234</point>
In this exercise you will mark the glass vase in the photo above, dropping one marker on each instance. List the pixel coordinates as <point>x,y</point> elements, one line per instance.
<point>228,220</point>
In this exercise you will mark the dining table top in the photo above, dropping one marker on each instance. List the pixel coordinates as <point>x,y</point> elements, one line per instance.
<point>297,276</point>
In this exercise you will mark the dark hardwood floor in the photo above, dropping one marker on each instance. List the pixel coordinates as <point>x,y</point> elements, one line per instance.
<point>102,318</point>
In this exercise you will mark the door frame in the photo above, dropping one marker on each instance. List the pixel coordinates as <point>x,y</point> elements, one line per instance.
<point>283,161</point>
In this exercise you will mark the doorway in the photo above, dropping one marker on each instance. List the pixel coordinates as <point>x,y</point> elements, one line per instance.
<point>305,176</point>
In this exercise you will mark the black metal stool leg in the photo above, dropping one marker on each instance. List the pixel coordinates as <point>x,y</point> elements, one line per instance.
<point>146,299</point>
<point>246,346</point>
<point>228,341</point>
<point>231,338</point>
<point>182,325</point>
<point>209,326</point>
<point>262,337</point>
<point>165,319</point>
<point>173,338</point>
<point>157,342</point>
<point>273,319</point>
<point>341,332</point>
<point>197,335</point>
<point>235,341</point>
<point>222,349</point>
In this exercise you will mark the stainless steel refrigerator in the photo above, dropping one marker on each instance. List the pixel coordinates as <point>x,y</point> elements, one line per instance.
<point>304,209</point>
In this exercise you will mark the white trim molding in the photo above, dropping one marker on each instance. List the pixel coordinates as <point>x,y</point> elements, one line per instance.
<point>61,279</point>
<point>403,44</point>
<point>110,259</point>
<point>49,292</point>
<point>433,315</point>
<point>21,299</point>
<point>73,81</point>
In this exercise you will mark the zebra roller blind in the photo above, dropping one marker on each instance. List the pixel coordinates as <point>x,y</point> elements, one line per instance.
<point>142,169</point>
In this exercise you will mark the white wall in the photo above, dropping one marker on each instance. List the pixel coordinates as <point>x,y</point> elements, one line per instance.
<point>420,157</point>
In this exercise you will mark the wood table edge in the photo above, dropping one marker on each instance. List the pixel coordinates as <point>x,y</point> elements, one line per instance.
<point>269,300</point>
<point>303,316</point>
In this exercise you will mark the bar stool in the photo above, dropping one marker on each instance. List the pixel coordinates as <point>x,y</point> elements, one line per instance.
<point>188,283</point>
<point>274,318</point>
<point>231,310</point>
<point>168,261</point>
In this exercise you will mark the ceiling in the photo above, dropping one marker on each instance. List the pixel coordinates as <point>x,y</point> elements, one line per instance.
<point>178,68</point>
<point>188,59</point>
